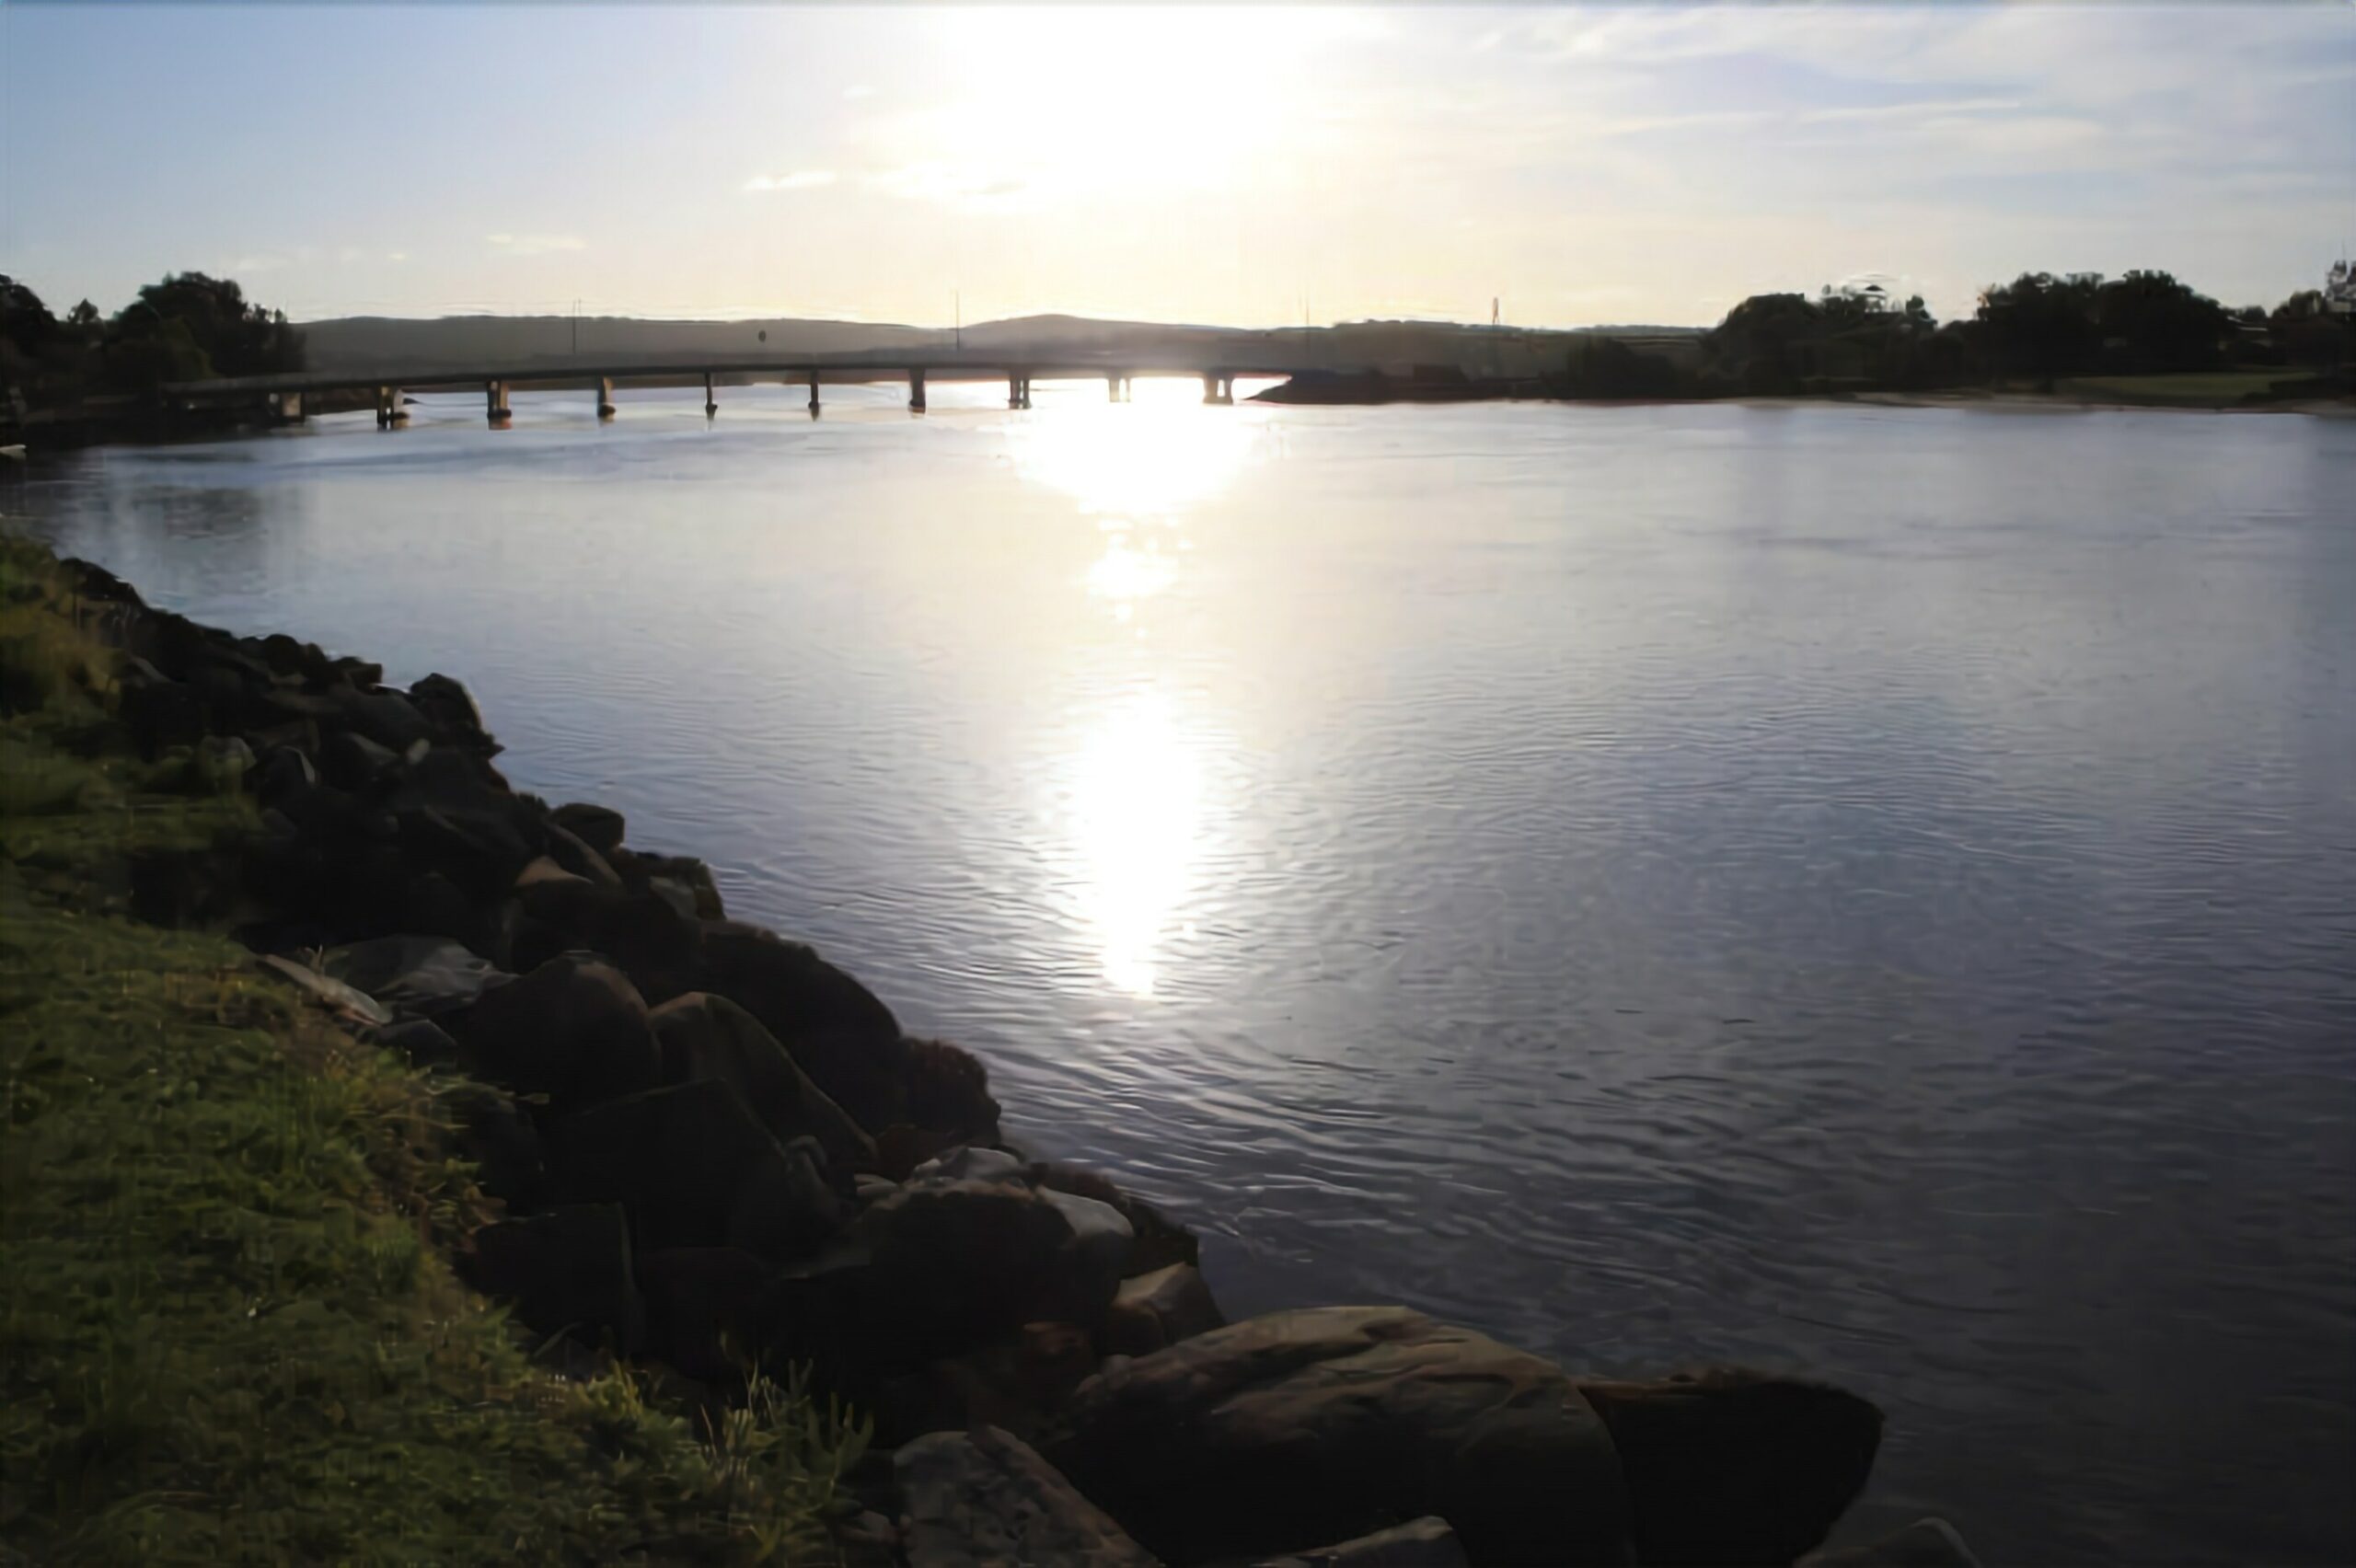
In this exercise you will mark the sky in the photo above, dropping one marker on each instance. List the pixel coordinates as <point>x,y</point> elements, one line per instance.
<point>1247,167</point>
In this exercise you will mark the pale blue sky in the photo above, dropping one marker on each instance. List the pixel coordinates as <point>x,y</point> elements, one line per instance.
<point>1586,165</point>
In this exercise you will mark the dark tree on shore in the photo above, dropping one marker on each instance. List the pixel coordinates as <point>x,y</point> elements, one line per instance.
<point>231,335</point>
<point>2041,326</point>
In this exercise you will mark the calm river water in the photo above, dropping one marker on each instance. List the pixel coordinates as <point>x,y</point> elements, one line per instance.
<point>1866,890</point>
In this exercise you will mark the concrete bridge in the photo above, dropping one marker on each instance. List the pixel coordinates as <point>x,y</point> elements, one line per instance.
<point>287,397</point>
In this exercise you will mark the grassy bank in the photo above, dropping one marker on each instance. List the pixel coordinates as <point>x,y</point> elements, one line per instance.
<point>229,1331</point>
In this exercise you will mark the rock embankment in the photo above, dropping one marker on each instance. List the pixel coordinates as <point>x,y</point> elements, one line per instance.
<point>716,1151</point>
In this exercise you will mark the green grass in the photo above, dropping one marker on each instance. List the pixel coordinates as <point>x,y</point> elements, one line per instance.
<point>230,1331</point>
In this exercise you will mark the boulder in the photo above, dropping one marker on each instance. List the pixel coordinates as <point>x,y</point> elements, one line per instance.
<point>415,976</point>
<point>1278,1432</point>
<point>284,771</point>
<point>1426,1542</point>
<point>1925,1543</point>
<point>385,716</point>
<point>223,762</point>
<point>349,760</point>
<point>946,1090</point>
<point>573,1029</point>
<point>449,710</point>
<point>831,1025</point>
<point>701,1307</point>
<point>640,934</point>
<point>1160,1240</point>
<point>703,1036</point>
<point>489,1129</point>
<point>674,872</point>
<point>693,1167</point>
<point>1731,1466</point>
<point>161,714</point>
<point>966,1163</point>
<point>567,1270</point>
<point>570,852</point>
<point>1159,1308</point>
<point>600,827</point>
<point>956,1263</point>
<point>420,1040</point>
<point>481,846</point>
<point>1016,1383</point>
<point>985,1499</point>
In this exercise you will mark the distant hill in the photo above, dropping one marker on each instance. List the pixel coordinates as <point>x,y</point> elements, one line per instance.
<point>368,344</point>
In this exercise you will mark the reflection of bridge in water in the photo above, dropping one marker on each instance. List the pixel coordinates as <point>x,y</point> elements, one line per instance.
<point>286,396</point>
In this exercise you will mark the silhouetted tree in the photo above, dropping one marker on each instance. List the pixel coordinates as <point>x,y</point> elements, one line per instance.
<point>2149,322</point>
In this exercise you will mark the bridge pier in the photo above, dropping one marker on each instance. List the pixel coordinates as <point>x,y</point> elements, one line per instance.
<point>604,397</point>
<point>915,391</point>
<point>813,394</point>
<point>494,401</point>
<point>1116,388</point>
<point>710,401</point>
<point>391,410</point>
<point>1018,390</point>
<point>286,406</point>
<point>1217,388</point>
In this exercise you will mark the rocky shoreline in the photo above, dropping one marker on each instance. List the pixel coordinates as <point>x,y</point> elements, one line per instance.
<point>718,1153</point>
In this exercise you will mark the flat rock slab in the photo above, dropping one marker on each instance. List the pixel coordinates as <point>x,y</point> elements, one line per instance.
<point>415,976</point>
<point>984,1500</point>
<point>1420,1543</point>
<point>1925,1543</point>
<point>327,990</point>
<point>1279,1433</point>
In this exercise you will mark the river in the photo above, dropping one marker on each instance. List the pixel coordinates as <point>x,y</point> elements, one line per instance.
<point>1865,890</point>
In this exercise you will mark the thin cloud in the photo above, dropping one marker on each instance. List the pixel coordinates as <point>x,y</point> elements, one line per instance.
<point>800,180</point>
<point>534,244</point>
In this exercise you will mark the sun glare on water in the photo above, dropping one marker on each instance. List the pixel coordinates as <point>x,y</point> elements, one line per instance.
<point>1137,814</point>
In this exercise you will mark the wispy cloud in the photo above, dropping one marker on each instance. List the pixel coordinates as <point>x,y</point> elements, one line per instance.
<point>858,90</point>
<point>800,180</point>
<point>533,243</point>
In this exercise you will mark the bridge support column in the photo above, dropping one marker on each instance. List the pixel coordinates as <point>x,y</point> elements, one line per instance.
<point>915,391</point>
<point>1018,390</point>
<point>1218,387</point>
<point>390,409</point>
<point>813,394</point>
<point>710,400</point>
<point>494,402</point>
<point>604,397</point>
<point>286,406</point>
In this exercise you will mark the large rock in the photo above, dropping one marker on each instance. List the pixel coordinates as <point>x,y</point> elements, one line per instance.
<point>1428,1542</point>
<point>701,1307</point>
<point>385,716</point>
<point>573,1029</point>
<point>600,827</point>
<point>1735,1466</point>
<point>489,1129</point>
<point>1017,1383</point>
<point>703,1036</point>
<point>639,933</point>
<point>1925,1543</point>
<point>955,1263</point>
<point>948,1092</point>
<point>1280,1432</point>
<point>984,1500</point>
<point>567,1270</point>
<point>1160,1240</point>
<point>675,877</point>
<point>1157,1309</point>
<point>693,1167</point>
<point>831,1025</point>
<point>415,976</point>
<point>577,857</point>
<point>449,708</point>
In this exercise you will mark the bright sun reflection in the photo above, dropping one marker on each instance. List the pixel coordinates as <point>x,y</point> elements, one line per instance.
<point>1138,804</point>
<point>1143,461</point>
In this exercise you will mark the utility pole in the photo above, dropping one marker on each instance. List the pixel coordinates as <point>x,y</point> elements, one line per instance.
<point>576,329</point>
<point>957,305</point>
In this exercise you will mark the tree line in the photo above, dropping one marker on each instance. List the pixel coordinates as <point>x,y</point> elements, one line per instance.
<point>187,328</point>
<point>2035,330</point>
